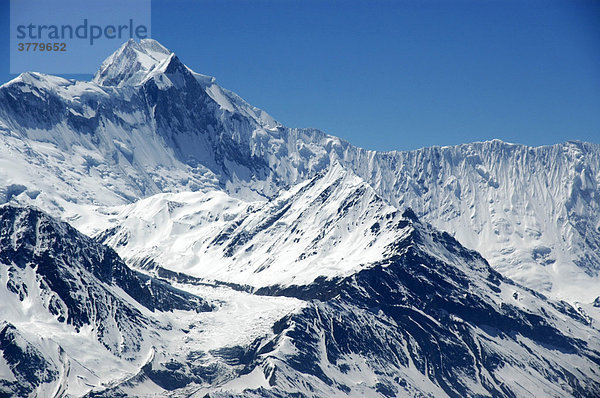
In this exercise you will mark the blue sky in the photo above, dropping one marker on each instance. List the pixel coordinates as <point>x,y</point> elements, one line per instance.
<point>400,75</point>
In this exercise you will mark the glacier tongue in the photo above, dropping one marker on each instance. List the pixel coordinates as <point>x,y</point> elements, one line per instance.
<point>76,319</point>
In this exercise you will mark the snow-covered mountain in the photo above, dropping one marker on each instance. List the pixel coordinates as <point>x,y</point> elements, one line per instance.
<point>211,250</point>
<point>146,124</point>
<point>326,226</point>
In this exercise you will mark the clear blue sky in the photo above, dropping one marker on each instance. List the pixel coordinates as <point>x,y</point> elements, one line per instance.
<point>398,74</point>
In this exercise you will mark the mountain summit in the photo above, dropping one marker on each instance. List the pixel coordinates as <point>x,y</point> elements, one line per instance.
<point>135,63</point>
<point>131,63</point>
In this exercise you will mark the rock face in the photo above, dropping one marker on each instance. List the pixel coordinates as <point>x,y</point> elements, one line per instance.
<point>210,250</point>
<point>431,319</point>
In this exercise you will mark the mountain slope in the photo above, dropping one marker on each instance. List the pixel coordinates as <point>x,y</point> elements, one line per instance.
<point>69,304</point>
<point>430,318</point>
<point>434,319</point>
<point>534,213</point>
<point>427,317</point>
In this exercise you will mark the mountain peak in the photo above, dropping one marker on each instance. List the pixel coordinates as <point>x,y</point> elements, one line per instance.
<point>131,63</point>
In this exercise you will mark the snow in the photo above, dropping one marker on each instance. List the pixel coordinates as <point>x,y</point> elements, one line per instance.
<point>217,94</point>
<point>82,350</point>
<point>240,318</point>
<point>5,371</point>
<point>87,361</point>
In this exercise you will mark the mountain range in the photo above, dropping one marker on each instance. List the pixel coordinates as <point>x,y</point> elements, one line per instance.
<point>161,236</point>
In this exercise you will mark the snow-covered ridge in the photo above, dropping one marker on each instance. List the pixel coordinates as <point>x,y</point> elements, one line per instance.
<point>328,226</point>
